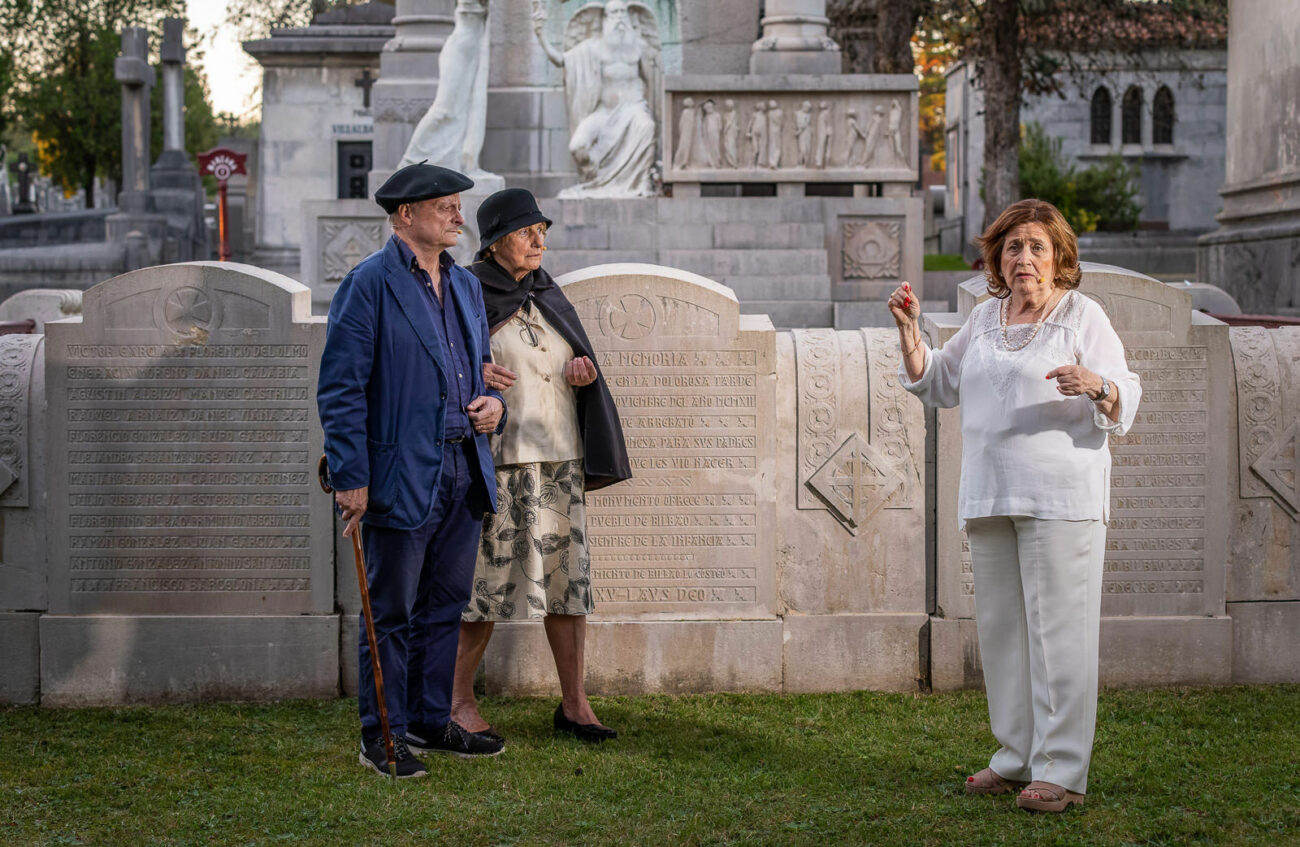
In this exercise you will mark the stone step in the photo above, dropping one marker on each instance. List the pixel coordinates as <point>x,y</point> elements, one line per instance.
<point>792,314</point>
<point>677,236</point>
<point>769,236</point>
<point>786,287</point>
<point>686,210</point>
<point>562,261</point>
<point>716,263</point>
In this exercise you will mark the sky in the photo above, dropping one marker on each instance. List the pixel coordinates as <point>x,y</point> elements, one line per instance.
<point>233,75</point>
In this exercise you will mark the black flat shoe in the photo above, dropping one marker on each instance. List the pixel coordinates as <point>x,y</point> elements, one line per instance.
<point>491,732</point>
<point>592,732</point>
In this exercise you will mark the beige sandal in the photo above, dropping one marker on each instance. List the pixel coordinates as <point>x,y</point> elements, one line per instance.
<point>988,781</point>
<point>1047,797</point>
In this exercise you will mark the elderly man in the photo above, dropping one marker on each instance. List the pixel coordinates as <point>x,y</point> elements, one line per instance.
<point>406,417</point>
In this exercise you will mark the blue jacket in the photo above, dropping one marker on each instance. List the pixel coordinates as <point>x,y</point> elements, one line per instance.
<point>382,394</point>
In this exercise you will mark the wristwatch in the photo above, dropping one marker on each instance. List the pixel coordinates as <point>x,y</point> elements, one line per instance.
<point>1105,391</point>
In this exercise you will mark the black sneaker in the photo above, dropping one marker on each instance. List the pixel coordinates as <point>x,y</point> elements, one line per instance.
<point>451,738</point>
<point>373,756</point>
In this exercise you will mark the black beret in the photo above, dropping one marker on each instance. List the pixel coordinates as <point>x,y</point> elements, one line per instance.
<point>504,212</point>
<point>422,181</point>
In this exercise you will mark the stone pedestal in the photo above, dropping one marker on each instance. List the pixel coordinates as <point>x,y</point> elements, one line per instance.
<point>135,228</point>
<point>794,40</point>
<point>1255,253</point>
<point>408,76</point>
<point>177,190</point>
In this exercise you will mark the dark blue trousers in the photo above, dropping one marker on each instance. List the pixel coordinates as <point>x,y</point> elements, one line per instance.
<point>420,582</point>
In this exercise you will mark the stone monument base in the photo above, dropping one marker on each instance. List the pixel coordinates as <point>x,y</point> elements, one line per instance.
<point>1256,264</point>
<point>20,673</point>
<point>97,660</point>
<point>1136,652</point>
<point>1264,639</point>
<point>800,653</point>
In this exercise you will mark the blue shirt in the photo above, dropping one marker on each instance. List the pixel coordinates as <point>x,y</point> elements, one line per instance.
<point>451,338</point>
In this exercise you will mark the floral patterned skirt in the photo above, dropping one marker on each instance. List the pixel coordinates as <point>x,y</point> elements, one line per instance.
<point>533,559</point>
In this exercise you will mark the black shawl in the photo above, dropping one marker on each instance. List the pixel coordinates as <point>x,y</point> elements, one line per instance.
<point>604,453</point>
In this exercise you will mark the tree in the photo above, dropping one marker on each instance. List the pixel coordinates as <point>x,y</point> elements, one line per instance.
<point>1018,47</point>
<point>256,18</point>
<point>65,92</point>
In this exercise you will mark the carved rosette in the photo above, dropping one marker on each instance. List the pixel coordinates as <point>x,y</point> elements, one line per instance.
<point>871,249</point>
<point>893,413</point>
<point>345,243</point>
<point>17,356</point>
<point>817,358</point>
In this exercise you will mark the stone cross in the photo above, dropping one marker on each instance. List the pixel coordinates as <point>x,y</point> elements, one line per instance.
<point>173,80</point>
<point>22,170</point>
<point>365,83</point>
<point>132,70</point>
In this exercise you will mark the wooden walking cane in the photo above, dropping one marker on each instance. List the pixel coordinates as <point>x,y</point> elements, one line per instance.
<point>323,472</point>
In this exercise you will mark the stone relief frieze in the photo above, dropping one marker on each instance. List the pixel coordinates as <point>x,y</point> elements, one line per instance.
<point>632,317</point>
<point>1268,454</point>
<point>817,358</point>
<point>893,413</point>
<point>345,243</point>
<point>17,355</point>
<point>871,249</point>
<point>812,131</point>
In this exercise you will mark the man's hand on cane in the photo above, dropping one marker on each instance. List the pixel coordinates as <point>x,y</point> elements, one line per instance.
<point>353,503</point>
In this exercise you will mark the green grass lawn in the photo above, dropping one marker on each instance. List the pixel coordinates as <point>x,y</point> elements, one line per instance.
<point>944,262</point>
<point>1171,767</point>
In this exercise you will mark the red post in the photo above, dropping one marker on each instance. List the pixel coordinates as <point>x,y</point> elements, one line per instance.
<point>222,164</point>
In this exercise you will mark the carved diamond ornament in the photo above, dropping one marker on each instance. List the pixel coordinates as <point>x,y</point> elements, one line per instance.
<point>856,481</point>
<point>1279,466</point>
<point>871,249</point>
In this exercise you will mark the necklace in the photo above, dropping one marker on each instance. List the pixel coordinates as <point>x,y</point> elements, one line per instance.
<point>1004,310</point>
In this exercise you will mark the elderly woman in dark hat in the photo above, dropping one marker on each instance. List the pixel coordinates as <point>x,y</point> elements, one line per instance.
<point>562,439</point>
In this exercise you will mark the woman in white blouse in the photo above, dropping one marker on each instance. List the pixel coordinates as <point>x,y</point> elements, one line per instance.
<point>1041,379</point>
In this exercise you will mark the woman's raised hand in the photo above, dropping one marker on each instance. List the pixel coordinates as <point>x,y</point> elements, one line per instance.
<point>580,371</point>
<point>904,306</point>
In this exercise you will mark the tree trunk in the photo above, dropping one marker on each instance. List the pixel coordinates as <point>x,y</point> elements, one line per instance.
<point>1000,75</point>
<point>895,23</point>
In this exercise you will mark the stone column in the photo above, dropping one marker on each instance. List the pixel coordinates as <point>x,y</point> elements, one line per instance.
<point>137,77</point>
<point>408,78</point>
<point>794,40</point>
<point>173,78</point>
<point>177,190</point>
<point>1253,254</point>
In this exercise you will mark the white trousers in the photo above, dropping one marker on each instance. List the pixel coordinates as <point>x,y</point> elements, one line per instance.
<point>1038,612</point>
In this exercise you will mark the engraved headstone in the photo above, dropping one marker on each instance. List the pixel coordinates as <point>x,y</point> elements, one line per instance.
<point>691,536</point>
<point>183,437</point>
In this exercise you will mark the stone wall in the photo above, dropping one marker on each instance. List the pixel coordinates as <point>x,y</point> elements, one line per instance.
<point>790,527</point>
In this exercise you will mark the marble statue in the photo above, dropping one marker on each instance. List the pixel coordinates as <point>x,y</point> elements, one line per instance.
<point>855,135</point>
<point>775,118</point>
<point>824,134</point>
<point>757,135</point>
<point>896,132</point>
<point>711,133</point>
<point>451,133</point>
<point>612,71</point>
<point>803,125</point>
<point>685,134</point>
<point>874,135</point>
<point>730,134</point>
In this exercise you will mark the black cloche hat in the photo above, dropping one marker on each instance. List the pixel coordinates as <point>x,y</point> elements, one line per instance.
<point>422,181</point>
<point>504,212</point>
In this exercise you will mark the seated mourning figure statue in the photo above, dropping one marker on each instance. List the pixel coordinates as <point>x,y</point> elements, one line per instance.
<point>611,63</point>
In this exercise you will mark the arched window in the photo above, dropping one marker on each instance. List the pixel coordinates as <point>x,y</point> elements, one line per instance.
<point>1101,116</point>
<point>1162,117</point>
<point>1131,116</point>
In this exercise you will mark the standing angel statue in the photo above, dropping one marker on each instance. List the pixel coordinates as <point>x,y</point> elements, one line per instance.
<point>612,71</point>
<point>451,133</point>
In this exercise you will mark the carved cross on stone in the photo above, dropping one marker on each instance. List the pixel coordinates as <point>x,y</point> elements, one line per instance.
<point>22,170</point>
<point>365,83</point>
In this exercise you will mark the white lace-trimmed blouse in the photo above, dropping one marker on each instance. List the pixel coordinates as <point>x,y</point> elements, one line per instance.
<point>1027,449</point>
